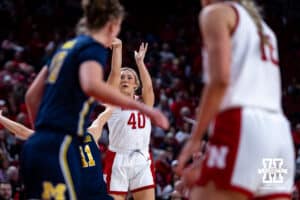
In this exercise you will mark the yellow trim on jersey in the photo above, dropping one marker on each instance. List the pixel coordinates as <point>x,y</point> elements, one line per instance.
<point>82,115</point>
<point>55,66</point>
<point>65,167</point>
<point>69,44</point>
<point>87,139</point>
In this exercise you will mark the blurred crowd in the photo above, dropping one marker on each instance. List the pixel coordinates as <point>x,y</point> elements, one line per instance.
<point>31,31</point>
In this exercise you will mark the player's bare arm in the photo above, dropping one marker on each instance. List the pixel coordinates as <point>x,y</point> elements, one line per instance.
<point>97,126</point>
<point>147,88</point>
<point>19,130</point>
<point>116,63</point>
<point>216,23</point>
<point>34,94</point>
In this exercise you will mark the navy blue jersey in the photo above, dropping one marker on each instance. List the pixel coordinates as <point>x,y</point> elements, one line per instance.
<point>64,107</point>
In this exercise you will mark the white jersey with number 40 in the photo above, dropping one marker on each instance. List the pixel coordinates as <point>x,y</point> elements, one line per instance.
<point>129,130</point>
<point>254,71</point>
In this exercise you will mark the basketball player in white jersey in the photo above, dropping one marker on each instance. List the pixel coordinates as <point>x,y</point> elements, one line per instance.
<point>250,153</point>
<point>128,165</point>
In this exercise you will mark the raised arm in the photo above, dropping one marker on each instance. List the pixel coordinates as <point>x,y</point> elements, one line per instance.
<point>34,94</point>
<point>147,88</point>
<point>96,128</point>
<point>17,129</point>
<point>116,63</point>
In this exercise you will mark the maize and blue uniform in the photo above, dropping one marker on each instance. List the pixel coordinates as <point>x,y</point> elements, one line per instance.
<point>51,161</point>
<point>93,185</point>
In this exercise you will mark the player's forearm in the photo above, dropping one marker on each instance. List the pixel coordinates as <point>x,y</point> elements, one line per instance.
<point>103,117</point>
<point>147,90</point>
<point>95,131</point>
<point>32,109</point>
<point>145,76</point>
<point>16,128</point>
<point>116,63</point>
<point>208,107</point>
<point>32,105</point>
<point>97,126</point>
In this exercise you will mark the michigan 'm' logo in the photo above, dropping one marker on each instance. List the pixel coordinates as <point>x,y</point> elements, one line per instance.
<point>56,192</point>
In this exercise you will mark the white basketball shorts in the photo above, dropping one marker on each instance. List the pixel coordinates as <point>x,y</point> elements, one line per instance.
<point>128,171</point>
<point>250,151</point>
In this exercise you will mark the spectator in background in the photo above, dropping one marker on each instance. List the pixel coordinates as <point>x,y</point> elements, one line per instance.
<point>294,87</point>
<point>10,45</point>
<point>164,106</point>
<point>13,178</point>
<point>4,149</point>
<point>296,138</point>
<point>183,134</point>
<point>52,46</point>
<point>166,54</point>
<point>5,190</point>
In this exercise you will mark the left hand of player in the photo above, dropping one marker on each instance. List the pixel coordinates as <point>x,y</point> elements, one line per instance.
<point>191,146</point>
<point>117,43</point>
<point>191,174</point>
<point>140,55</point>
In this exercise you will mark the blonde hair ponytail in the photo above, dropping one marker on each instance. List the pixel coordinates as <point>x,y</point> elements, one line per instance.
<point>254,12</point>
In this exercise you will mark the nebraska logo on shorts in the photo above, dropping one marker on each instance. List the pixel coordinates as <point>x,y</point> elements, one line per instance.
<point>217,156</point>
<point>272,170</point>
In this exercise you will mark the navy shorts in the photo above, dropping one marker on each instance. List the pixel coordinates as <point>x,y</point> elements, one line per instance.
<point>51,166</point>
<point>93,185</point>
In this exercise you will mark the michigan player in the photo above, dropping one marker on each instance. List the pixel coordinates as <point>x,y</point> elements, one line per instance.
<point>128,164</point>
<point>243,96</point>
<point>93,184</point>
<point>60,101</point>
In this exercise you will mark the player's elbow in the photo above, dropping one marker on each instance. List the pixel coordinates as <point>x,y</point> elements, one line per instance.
<point>29,98</point>
<point>88,88</point>
<point>92,130</point>
<point>147,88</point>
<point>224,82</point>
<point>95,131</point>
<point>221,82</point>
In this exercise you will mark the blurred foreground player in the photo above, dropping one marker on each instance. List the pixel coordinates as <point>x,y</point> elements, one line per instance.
<point>242,96</point>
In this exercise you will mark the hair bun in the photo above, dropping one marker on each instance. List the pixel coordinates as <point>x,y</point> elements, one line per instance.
<point>98,12</point>
<point>101,5</point>
<point>85,4</point>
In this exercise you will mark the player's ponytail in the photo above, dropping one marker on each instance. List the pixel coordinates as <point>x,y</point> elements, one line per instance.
<point>254,12</point>
<point>98,12</point>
